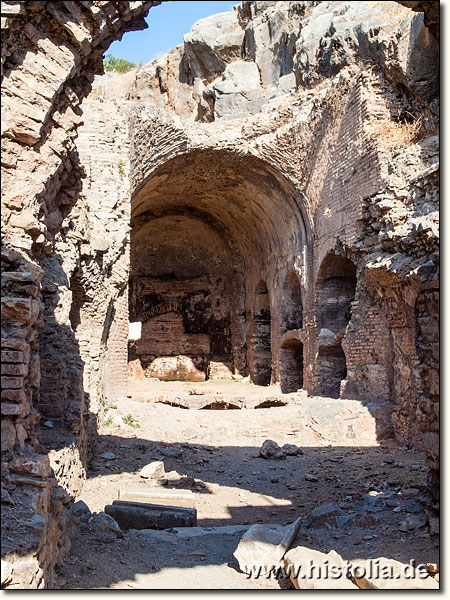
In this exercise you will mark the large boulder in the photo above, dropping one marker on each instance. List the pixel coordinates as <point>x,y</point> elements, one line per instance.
<point>212,43</point>
<point>259,548</point>
<point>271,449</point>
<point>238,92</point>
<point>154,470</point>
<point>174,368</point>
<point>270,38</point>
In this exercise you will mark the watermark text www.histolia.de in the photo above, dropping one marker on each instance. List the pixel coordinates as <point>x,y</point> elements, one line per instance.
<point>372,569</point>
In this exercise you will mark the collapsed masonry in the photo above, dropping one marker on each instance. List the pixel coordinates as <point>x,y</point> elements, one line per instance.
<point>263,199</point>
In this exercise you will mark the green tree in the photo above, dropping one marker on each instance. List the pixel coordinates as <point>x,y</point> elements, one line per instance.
<point>112,63</point>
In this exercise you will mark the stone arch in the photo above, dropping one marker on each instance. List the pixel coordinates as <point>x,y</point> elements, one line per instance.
<point>261,367</point>
<point>242,201</point>
<point>335,292</point>
<point>258,205</point>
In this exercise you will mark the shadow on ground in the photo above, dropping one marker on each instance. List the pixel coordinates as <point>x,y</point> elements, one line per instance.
<point>378,491</point>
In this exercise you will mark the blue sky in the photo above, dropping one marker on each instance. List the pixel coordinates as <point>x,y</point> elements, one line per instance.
<point>167,23</point>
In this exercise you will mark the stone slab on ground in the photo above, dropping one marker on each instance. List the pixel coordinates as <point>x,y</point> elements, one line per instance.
<point>136,515</point>
<point>263,546</point>
<point>184,498</point>
<point>388,574</point>
<point>289,537</point>
<point>259,547</point>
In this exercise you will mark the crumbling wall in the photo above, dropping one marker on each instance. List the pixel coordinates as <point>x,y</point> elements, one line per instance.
<point>292,137</point>
<point>50,52</point>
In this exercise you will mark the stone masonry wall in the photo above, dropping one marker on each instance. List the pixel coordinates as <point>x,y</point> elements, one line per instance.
<point>347,137</point>
<point>50,52</point>
<point>310,129</point>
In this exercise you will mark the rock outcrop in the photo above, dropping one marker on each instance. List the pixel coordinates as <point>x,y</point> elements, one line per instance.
<point>237,63</point>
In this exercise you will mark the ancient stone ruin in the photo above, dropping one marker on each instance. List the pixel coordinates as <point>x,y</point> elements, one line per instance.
<point>259,204</point>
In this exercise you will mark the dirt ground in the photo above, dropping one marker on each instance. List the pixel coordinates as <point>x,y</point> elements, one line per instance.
<point>377,487</point>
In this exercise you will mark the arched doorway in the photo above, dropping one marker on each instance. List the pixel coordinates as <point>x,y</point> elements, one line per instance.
<point>203,223</point>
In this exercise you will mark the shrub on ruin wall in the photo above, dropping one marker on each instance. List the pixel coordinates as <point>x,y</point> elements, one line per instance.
<point>120,65</point>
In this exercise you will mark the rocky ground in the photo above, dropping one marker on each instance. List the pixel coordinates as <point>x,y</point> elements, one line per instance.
<point>356,495</point>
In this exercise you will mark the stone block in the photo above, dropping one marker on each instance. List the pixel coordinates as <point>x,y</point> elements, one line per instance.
<point>14,369</point>
<point>135,515</point>
<point>17,310</point>
<point>14,395</point>
<point>292,449</point>
<point>175,368</point>
<point>81,510</point>
<point>12,383</point>
<point>25,219</point>
<point>33,481</point>
<point>326,513</point>
<point>8,436</point>
<point>271,449</point>
<point>310,569</point>
<point>15,344</point>
<point>154,470</point>
<point>12,356</point>
<point>211,43</point>
<point>12,10</point>
<point>259,547</point>
<point>37,464</point>
<point>104,523</point>
<point>10,409</point>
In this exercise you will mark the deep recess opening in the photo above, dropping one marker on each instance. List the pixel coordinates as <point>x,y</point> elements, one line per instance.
<point>271,404</point>
<point>335,292</point>
<point>332,368</point>
<point>291,304</point>
<point>79,297</point>
<point>181,286</point>
<point>262,354</point>
<point>219,405</point>
<point>336,285</point>
<point>291,366</point>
